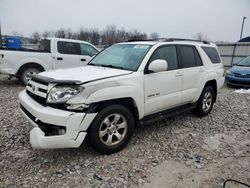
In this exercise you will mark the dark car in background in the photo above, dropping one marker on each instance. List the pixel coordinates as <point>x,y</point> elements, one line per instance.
<point>239,74</point>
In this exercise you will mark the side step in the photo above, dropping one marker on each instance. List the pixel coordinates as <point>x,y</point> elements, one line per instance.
<point>166,114</point>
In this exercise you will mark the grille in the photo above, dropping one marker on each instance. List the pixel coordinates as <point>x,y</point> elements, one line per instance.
<point>37,91</point>
<point>242,75</point>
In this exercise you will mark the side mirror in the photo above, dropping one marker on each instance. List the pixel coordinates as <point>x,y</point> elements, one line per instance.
<point>158,65</point>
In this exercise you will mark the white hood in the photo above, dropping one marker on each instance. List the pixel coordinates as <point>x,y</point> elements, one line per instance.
<point>84,74</point>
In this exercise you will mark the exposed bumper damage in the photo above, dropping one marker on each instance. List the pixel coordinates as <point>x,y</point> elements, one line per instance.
<point>69,128</point>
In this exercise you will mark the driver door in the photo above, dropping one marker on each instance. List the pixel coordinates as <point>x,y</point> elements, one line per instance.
<point>163,90</point>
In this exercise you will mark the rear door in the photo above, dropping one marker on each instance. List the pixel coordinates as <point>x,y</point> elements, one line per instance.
<point>86,53</point>
<point>67,55</point>
<point>193,71</point>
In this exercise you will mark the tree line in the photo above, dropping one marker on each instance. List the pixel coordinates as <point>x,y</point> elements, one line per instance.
<point>110,35</point>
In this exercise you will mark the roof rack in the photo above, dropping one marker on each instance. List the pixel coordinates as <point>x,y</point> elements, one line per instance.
<point>136,40</point>
<point>180,39</point>
<point>169,40</point>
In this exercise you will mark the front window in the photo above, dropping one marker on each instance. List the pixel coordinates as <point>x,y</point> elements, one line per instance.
<point>244,62</point>
<point>88,50</point>
<point>68,47</point>
<point>122,56</point>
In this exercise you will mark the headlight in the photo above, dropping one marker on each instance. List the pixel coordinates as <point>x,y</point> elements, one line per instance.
<point>229,72</point>
<point>62,94</point>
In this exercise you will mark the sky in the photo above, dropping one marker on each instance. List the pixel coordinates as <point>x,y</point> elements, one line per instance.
<point>219,20</point>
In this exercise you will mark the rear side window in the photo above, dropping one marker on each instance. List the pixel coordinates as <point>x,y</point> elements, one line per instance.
<point>212,54</point>
<point>197,58</point>
<point>44,45</point>
<point>167,53</point>
<point>187,56</point>
<point>68,47</point>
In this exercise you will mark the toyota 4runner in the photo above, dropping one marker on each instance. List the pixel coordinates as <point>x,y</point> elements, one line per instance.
<point>129,83</point>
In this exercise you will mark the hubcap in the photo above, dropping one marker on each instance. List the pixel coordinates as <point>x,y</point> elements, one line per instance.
<point>28,75</point>
<point>207,101</point>
<point>113,129</point>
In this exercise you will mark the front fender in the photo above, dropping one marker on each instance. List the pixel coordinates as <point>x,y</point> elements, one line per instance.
<point>114,91</point>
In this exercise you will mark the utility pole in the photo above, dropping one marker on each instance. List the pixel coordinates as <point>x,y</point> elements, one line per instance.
<point>0,36</point>
<point>242,26</point>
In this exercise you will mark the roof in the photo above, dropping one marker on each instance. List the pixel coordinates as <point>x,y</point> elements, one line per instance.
<point>64,39</point>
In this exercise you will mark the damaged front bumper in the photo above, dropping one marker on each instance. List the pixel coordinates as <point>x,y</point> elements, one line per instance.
<point>54,128</point>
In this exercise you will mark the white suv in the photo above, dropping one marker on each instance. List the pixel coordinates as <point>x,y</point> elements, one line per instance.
<point>130,83</point>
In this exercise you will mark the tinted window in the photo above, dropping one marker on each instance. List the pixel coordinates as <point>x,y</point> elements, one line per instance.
<point>44,45</point>
<point>88,50</point>
<point>68,47</point>
<point>187,56</point>
<point>212,54</point>
<point>167,53</point>
<point>197,58</point>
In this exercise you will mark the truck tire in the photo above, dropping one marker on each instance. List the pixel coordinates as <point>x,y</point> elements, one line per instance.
<point>112,129</point>
<point>24,75</point>
<point>205,102</point>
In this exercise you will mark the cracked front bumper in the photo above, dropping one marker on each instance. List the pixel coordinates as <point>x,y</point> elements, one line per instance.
<point>76,124</point>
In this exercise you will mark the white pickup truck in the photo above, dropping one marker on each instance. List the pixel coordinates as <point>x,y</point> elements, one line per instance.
<point>53,53</point>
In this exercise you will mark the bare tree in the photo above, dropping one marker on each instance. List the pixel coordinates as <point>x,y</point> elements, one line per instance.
<point>154,35</point>
<point>35,37</point>
<point>61,33</point>
<point>110,35</point>
<point>47,33</point>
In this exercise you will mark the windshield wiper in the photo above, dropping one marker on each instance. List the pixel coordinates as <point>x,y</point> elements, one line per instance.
<point>112,66</point>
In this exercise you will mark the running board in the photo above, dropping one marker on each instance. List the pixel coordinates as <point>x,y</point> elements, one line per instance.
<point>166,114</point>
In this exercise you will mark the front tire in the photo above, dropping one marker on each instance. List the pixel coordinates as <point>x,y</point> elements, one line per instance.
<point>205,102</point>
<point>111,130</point>
<point>25,74</point>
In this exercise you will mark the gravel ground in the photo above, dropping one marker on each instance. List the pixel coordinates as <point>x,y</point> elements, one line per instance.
<point>208,150</point>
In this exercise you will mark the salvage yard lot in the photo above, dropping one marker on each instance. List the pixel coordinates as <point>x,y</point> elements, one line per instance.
<point>183,151</point>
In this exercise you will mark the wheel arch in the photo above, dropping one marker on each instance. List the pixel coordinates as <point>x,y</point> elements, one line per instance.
<point>213,84</point>
<point>127,102</point>
<point>29,65</point>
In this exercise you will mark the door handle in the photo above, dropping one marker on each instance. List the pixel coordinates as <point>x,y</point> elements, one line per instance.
<point>178,74</point>
<point>83,59</point>
<point>201,70</point>
<point>2,55</point>
<point>59,58</point>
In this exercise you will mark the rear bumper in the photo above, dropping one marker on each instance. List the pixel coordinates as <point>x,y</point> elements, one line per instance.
<point>237,81</point>
<point>220,82</point>
<point>76,124</point>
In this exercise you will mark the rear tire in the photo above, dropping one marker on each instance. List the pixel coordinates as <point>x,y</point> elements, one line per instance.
<point>205,102</point>
<point>111,130</point>
<point>24,75</point>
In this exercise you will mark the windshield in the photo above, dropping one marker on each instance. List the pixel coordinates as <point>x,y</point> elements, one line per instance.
<point>121,56</point>
<point>244,62</point>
